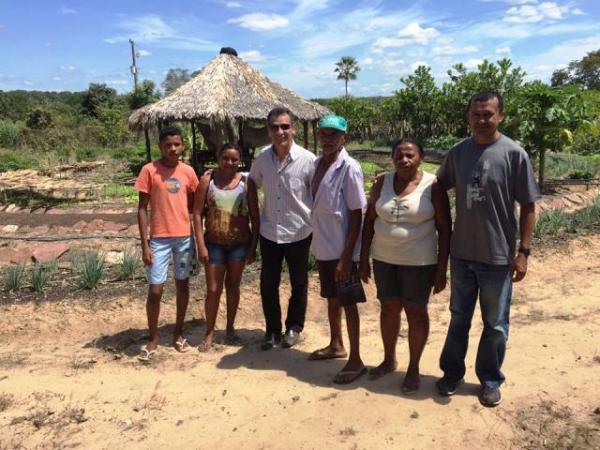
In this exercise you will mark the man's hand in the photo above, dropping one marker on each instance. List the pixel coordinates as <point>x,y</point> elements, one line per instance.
<point>439,282</point>
<point>342,271</point>
<point>147,255</point>
<point>519,267</point>
<point>203,254</point>
<point>364,270</point>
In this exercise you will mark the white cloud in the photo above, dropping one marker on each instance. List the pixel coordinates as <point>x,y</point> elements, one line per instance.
<point>577,12</point>
<point>143,53</point>
<point>260,21</point>
<point>252,56</point>
<point>536,13</point>
<point>473,63</point>
<point>68,69</point>
<point>28,83</point>
<point>233,5</point>
<point>306,8</point>
<point>153,29</point>
<point>411,34</point>
<point>56,78</point>
<point>120,82</point>
<point>65,11</point>
<point>450,50</point>
<point>414,66</point>
<point>367,62</point>
<point>503,50</point>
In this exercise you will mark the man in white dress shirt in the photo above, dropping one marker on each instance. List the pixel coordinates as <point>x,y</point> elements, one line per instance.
<point>283,170</point>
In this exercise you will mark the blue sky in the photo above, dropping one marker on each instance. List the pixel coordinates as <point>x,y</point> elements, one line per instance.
<point>65,45</point>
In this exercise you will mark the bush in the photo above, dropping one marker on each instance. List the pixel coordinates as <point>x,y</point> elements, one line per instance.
<point>41,275</point>
<point>445,142</point>
<point>9,133</point>
<point>13,277</point>
<point>39,119</point>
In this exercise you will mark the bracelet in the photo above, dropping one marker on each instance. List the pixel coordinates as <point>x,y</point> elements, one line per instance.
<point>524,250</point>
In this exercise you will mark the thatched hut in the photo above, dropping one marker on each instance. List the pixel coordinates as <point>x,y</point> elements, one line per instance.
<point>228,101</point>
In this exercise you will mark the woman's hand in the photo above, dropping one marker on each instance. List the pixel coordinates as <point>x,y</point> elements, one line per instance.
<point>439,282</point>
<point>251,256</point>
<point>364,270</point>
<point>203,254</point>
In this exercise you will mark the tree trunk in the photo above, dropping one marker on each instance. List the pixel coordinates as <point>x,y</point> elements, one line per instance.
<point>305,129</point>
<point>542,169</point>
<point>346,82</point>
<point>148,148</point>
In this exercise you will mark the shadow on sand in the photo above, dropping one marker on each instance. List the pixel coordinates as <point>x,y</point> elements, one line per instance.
<point>295,363</point>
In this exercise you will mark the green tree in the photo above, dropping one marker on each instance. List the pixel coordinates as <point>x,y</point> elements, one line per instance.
<point>143,94</point>
<point>347,68</point>
<point>500,77</point>
<point>360,113</point>
<point>174,79</point>
<point>585,72</point>
<point>98,96</point>
<point>543,118</point>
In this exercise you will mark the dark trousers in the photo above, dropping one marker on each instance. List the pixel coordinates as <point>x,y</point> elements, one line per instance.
<point>296,256</point>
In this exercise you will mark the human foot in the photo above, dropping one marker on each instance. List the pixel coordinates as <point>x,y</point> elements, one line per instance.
<point>327,353</point>
<point>206,345</point>
<point>382,369</point>
<point>350,373</point>
<point>181,345</point>
<point>411,384</point>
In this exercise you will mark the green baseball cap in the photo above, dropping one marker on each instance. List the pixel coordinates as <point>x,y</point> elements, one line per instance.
<point>334,122</point>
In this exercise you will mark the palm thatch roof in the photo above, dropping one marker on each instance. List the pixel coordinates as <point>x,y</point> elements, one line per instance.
<point>225,92</point>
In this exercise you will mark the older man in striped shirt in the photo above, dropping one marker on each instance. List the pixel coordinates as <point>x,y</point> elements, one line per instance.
<point>284,170</point>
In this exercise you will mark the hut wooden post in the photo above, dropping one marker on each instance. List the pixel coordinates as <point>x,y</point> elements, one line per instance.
<point>305,126</point>
<point>314,128</point>
<point>148,148</point>
<point>193,138</point>
<point>241,134</point>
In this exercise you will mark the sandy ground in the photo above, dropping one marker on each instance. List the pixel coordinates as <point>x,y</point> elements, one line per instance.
<point>69,377</point>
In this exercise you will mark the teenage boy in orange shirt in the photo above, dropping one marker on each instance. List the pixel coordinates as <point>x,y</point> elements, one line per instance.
<point>167,185</point>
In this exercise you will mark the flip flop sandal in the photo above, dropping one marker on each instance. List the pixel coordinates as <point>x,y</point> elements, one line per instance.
<point>348,376</point>
<point>321,354</point>
<point>182,346</point>
<point>145,354</point>
<point>410,387</point>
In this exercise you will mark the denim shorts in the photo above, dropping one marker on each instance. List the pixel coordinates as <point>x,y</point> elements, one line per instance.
<point>222,254</point>
<point>182,249</point>
<point>411,284</point>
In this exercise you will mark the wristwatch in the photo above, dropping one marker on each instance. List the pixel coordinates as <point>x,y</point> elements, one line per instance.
<point>524,250</point>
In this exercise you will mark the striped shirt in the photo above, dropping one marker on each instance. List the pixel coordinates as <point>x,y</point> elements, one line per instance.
<point>285,216</point>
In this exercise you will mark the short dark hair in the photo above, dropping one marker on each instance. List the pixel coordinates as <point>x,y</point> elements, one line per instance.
<point>279,111</point>
<point>408,140</point>
<point>227,146</point>
<point>486,96</point>
<point>169,131</point>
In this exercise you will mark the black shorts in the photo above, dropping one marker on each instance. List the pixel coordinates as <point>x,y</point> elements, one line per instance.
<point>411,284</point>
<point>348,292</point>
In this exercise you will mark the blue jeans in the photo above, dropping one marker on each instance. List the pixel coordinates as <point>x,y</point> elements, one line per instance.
<point>493,284</point>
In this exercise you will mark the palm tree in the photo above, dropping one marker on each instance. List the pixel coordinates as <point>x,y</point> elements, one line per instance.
<point>347,68</point>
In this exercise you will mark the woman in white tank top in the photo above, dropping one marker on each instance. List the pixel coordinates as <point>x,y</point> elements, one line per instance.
<point>407,227</point>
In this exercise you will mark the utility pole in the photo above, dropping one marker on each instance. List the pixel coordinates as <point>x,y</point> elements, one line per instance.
<point>133,65</point>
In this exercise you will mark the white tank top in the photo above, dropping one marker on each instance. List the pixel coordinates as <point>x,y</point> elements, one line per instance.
<point>405,232</point>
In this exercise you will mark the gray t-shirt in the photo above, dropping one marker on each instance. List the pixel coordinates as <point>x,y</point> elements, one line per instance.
<point>488,181</point>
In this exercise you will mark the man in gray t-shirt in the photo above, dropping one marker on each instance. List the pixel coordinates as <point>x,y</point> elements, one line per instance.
<point>490,174</point>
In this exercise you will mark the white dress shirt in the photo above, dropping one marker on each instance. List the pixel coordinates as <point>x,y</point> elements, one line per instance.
<point>285,216</point>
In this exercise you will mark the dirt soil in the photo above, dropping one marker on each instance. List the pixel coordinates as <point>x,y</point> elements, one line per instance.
<point>69,377</point>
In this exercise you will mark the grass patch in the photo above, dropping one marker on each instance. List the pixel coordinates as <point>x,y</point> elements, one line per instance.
<point>41,275</point>
<point>569,165</point>
<point>90,267</point>
<point>123,191</point>
<point>13,277</point>
<point>555,222</point>
<point>129,265</point>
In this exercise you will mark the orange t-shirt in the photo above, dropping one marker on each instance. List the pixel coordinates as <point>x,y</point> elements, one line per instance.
<point>168,188</point>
